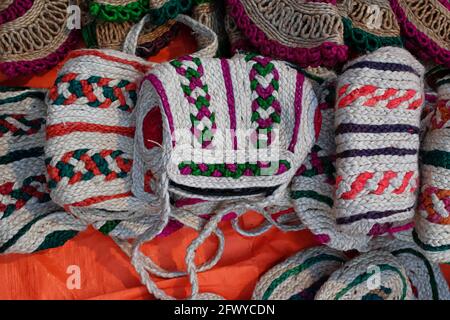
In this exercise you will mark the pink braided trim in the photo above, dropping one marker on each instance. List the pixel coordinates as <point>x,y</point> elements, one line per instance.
<point>327,54</point>
<point>417,41</point>
<point>445,3</point>
<point>24,67</point>
<point>17,9</point>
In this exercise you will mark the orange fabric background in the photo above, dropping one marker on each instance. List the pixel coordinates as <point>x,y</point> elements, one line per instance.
<point>106,272</point>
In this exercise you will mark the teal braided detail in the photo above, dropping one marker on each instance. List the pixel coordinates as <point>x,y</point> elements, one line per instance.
<point>169,11</point>
<point>56,239</point>
<point>89,35</point>
<point>203,123</point>
<point>363,41</point>
<point>130,12</point>
<point>109,226</point>
<point>266,109</point>
<point>233,170</point>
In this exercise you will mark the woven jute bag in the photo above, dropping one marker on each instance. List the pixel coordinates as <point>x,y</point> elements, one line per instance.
<point>432,232</point>
<point>217,114</point>
<point>29,220</point>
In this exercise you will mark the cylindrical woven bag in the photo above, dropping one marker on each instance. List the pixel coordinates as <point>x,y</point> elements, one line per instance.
<point>369,25</point>
<point>425,26</point>
<point>306,33</point>
<point>376,275</point>
<point>34,36</point>
<point>377,123</point>
<point>29,220</point>
<point>425,276</point>
<point>299,277</point>
<point>432,231</point>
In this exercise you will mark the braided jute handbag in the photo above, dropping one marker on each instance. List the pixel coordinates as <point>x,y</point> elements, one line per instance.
<point>234,132</point>
<point>29,220</point>
<point>34,36</point>
<point>302,32</point>
<point>299,277</point>
<point>432,231</point>
<point>369,25</point>
<point>425,26</point>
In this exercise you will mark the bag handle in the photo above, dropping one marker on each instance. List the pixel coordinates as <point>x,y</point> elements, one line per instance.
<point>208,37</point>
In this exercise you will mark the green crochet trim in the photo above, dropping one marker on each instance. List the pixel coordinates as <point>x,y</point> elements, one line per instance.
<point>89,35</point>
<point>363,41</point>
<point>130,12</point>
<point>109,226</point>
<point>169,11</point>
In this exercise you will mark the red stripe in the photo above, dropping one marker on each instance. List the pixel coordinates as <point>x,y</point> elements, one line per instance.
<point>357,186</point>
<point>384,182</point>
<point>97,199</point>
<point>355,94</point>
<point>407,177</point>
<point>387,94</point>
<point>61,129</point>
<point>138,66</point>
<point>394,103</point>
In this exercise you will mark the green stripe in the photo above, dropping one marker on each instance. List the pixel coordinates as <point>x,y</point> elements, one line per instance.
<point>365,276</point>
<point>21,232</point>
<point>109,226</point>
<point>56,239</point>
<point>23,96</point>
<point>437,158</point>
<point>433,283</point>
<point>313,195</point>
<point>21,154</point>
<point>296,270</point>
<point>428,247</point>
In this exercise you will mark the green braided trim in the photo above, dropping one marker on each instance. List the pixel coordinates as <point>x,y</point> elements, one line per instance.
<point>89,35</point>
<point>169,11</point>
<point>222,170</point>
<point>130,12</point>
<point>436,158</point>
<point>363,41</point>
<point>441,82</point>
<point>28,94</point>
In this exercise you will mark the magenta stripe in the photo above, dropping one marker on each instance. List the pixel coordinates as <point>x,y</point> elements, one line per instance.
<point>445,3</point>
<point>297,109</point>
<point>230,98</point>
<point>162,94</point>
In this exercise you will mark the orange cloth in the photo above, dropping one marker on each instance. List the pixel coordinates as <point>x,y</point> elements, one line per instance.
<point>106,272</point>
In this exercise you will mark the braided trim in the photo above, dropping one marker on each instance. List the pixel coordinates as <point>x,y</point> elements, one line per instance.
<point>132,11</point>
<point>15,10</point>
<point>364,41</point>
<point>233,170</point>
<point>85,165</point>
<point>203,124</point>
<point>94,91</point>
<point>169,11</point>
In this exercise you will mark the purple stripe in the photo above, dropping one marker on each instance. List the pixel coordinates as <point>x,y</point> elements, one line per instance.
<point>383,66</point>
<point>371,215</point>
<point>165,102</point>
<point>376,152</point>
<point>230,98</point>
<point>374,128</point>
<point>297,109</point>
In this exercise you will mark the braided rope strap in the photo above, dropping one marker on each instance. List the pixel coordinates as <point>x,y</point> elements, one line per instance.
<point>35,37</point>
<point>308,34</point>
<point>377,124</point>
<point>29,220</point>
<point>300,276</point>
<point>432,231</point>
<point>427,280</point>
<point>369,25</point>
<point>376,275</point>
<point>425,26</point>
